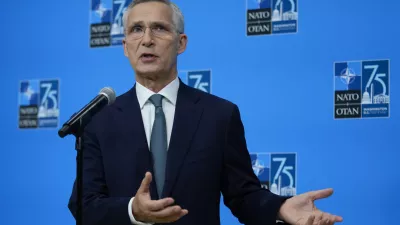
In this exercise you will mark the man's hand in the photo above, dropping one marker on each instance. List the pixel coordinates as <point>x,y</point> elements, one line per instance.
<point>301,210</point>
<point>154,211</point>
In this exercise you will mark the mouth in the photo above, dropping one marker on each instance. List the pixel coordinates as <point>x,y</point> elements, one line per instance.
<point>147,56</point>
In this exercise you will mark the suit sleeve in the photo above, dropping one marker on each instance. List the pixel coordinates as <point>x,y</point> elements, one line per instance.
<point>98,207</point>
<point>241,189</point>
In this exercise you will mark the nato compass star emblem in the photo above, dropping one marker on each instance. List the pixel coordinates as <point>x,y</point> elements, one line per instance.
<point>347,76</point>
<point>100,10</point>
<point>258,167</point>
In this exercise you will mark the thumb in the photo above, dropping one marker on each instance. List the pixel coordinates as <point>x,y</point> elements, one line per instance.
<point>324,193</point>
<point>145,185</point>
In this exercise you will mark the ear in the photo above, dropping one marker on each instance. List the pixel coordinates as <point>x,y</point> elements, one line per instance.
<point>182,43</point>
<point>125,48</point>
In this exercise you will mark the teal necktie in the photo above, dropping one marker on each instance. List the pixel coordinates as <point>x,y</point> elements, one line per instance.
<point>158,142</point>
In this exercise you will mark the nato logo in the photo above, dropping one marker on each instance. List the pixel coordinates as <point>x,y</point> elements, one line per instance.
<point>361,89</point>
<point>39,104</point>
<point>276,172</point>
<point>117,28</point>
<point>266,17</point>
<point>283,174</point>
<point>261,167</point>
<point>199,79</point>
<point>106,25</point>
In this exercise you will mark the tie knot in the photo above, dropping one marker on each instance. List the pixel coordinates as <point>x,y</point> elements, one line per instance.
<point>156,99</point>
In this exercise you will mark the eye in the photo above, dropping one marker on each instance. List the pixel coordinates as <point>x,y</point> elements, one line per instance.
<point>159,28</point>
<point>136,29</point>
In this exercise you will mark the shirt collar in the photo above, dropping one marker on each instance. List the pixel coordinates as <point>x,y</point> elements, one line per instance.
<point>170,92</point>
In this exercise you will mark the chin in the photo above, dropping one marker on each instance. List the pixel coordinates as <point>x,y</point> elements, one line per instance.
<point>150,71</point>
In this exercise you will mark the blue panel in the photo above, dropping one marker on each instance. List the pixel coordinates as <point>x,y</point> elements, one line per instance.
<point>317,84</point>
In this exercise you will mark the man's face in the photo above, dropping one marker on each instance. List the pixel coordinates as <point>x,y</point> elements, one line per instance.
<point>154,53</point>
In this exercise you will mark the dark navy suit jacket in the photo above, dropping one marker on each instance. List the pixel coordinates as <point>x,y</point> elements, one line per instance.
<point>207,156</point>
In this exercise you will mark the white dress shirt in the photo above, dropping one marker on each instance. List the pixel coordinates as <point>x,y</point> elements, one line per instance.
<point>170,93</point>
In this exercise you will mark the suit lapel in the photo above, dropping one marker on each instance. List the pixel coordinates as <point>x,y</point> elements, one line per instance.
<point>186,119</point>
<point>131,119</point>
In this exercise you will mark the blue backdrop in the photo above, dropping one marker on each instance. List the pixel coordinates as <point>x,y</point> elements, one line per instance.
<point>283,83</point>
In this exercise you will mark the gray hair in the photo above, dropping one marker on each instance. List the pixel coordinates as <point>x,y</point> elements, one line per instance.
<point>177,16</point>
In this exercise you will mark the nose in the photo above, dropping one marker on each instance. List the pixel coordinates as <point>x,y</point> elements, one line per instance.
<point>147,39</point>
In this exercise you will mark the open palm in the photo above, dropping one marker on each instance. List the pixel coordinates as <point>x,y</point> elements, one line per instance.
<point>301,210</point>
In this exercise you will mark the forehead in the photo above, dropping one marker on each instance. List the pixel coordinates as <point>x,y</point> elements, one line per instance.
<point>150,12</point>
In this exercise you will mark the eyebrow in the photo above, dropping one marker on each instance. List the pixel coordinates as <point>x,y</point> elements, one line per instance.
<point>151,23</point>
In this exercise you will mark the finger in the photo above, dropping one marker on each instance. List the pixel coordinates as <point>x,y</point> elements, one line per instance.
<point>145,185</point>
<point>318,217</point>
<point>182,213</point>
<point>157,205</point>
<point>332,218</point>
<point>169,214</point>
<point>324,193</point>
<point>325,221</point>
<point>327,218</point>
<point>171,218</point>
<point>337,218</point>
<point>310,220</point>
<point>329,222</point>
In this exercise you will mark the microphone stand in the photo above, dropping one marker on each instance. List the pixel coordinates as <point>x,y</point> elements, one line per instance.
<point>79,171</point>
<point>77,130</point>
<point>76,125</point>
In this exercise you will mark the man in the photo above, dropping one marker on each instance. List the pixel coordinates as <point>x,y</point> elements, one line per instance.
<point>163,152</point>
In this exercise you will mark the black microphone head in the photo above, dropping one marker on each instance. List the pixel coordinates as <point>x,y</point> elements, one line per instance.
<point>109,93</point>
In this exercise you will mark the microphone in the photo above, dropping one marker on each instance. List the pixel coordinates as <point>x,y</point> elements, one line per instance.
<point>79,120</point>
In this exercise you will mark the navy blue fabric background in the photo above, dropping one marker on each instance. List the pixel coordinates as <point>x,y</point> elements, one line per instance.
<point>283,85</point>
